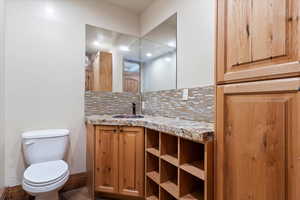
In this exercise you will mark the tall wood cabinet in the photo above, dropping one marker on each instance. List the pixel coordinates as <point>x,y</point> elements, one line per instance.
<point>115,160</point>
<point>258,141</point>
<point>257,39</point>
<point>258,100</point>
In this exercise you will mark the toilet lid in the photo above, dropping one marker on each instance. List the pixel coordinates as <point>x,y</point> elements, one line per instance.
<point>46,172</point>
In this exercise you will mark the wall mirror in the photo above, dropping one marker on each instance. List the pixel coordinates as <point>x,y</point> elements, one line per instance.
<point>108,55</point>
<point>159,57</point>
<point>117,62</point>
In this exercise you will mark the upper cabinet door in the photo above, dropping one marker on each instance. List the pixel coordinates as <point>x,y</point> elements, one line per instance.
<point>131,166</point>
<point>106,156</point>
<point>258,140</point>
<point>257,39</point>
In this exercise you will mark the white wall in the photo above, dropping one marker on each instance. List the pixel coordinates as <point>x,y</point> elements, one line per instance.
<point>45,48</point>
<point>1,94</point>
<point>195,37</point>
<point>159,74</point>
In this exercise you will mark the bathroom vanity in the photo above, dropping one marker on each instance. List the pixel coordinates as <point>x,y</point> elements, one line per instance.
<point>149,158</point>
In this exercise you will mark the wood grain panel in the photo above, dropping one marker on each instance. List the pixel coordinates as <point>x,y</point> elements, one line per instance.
<point>90,160</point>
<point>131,167</point>
<point>257,144</point>
<point>105,72</point>
<point>106,159</point>
<point>239,30</point>
<point>254,148</point>
<point>253,34</point>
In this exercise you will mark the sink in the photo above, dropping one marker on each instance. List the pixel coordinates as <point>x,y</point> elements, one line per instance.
<point>128,116</point>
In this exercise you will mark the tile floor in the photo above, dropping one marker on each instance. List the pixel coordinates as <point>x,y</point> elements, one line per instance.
<point>79,194</point>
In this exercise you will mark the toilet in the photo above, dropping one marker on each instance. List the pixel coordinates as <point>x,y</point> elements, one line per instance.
<point>44,151</point>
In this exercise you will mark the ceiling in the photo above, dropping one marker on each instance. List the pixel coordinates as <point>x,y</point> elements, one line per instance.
<point>160,41</point>
<point>136,6</point>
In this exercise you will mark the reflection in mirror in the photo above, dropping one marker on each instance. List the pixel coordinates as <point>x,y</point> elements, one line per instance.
<point>159,57</point>
<point>117,62</point>
<point>107,54</point>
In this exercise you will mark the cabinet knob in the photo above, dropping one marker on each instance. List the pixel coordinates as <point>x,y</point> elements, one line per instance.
<point>115,130</point>
<point>121,130</point>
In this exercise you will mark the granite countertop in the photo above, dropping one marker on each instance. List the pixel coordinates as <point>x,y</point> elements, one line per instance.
<point>191,130</point>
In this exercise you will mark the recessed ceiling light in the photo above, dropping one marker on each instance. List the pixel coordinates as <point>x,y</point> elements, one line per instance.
<point>124,48</point>
<point>168,59</point>
<point>49,10</point>
<point>96,43</point>
<point>149,54</point>
<point>172,44</point>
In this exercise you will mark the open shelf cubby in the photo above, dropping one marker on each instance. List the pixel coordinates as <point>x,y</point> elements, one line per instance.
<point>192,158</point>
<point>169,178</point>
<point>178,168</point>
<point>191,187</point>
<point>152,191</point>
<point>152,142</point>
<point>152,168</point>
<point>169,148</point>
<point>164,195</point>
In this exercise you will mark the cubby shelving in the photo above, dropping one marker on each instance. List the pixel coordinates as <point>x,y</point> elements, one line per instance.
<point>177,168</point>
<point>152,167</point>
<point>152,191</point>
<point>165,195</point>
<point>152,142</point>
<point>192,158</point>
<point>169,178</point>
<point>169,148</point>
<point>191,187</point>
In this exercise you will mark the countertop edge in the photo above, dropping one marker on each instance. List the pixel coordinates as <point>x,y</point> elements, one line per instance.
<point>203,133</point>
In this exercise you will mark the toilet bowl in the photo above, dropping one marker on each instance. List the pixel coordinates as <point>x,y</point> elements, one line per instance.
<point>47,172</point>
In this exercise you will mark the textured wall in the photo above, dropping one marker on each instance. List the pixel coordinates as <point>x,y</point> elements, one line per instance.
<point>47,90</point>
<point>169,103</point>
<point>110,103</point>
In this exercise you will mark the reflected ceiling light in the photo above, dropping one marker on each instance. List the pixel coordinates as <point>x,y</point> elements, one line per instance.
<point>172,44</point>
<point>124,48</point>
<point>49,10</point>
<point>97,44</point>
<point>168,59</point>
<point>149,54</point>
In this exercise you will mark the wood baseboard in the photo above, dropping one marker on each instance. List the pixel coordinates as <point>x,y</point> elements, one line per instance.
<point>17,193</point>
<point>3,193</point>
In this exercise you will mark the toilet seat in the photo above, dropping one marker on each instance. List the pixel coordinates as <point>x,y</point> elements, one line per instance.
<point>46,176</point>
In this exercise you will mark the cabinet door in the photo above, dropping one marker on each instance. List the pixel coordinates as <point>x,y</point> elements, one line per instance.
<point>257,39</point>
<point>258,141</point>
<point>131,166</point>
<point>106,159</point>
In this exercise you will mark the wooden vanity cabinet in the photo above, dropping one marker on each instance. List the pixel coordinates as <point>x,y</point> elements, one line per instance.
<point>115,160</point>
<point>257,40</point>
<point>131,161</point>
<point>258,140</point>
<point>107,159</point>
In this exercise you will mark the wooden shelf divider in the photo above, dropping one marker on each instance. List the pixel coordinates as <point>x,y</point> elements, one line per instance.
<point>154,176</point>
<point>177,168</point>
<point>153,151</point>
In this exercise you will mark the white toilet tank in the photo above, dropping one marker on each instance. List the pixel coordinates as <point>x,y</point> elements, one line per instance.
<point>45,145</point>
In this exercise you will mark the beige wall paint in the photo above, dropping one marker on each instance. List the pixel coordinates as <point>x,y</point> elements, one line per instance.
<point>1,94</point>
<point>45,48</point>
<point>195,37</point>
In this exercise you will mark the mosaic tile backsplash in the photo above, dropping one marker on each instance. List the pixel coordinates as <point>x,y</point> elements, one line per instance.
<point>168,103</point>
<point>111,103</point>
